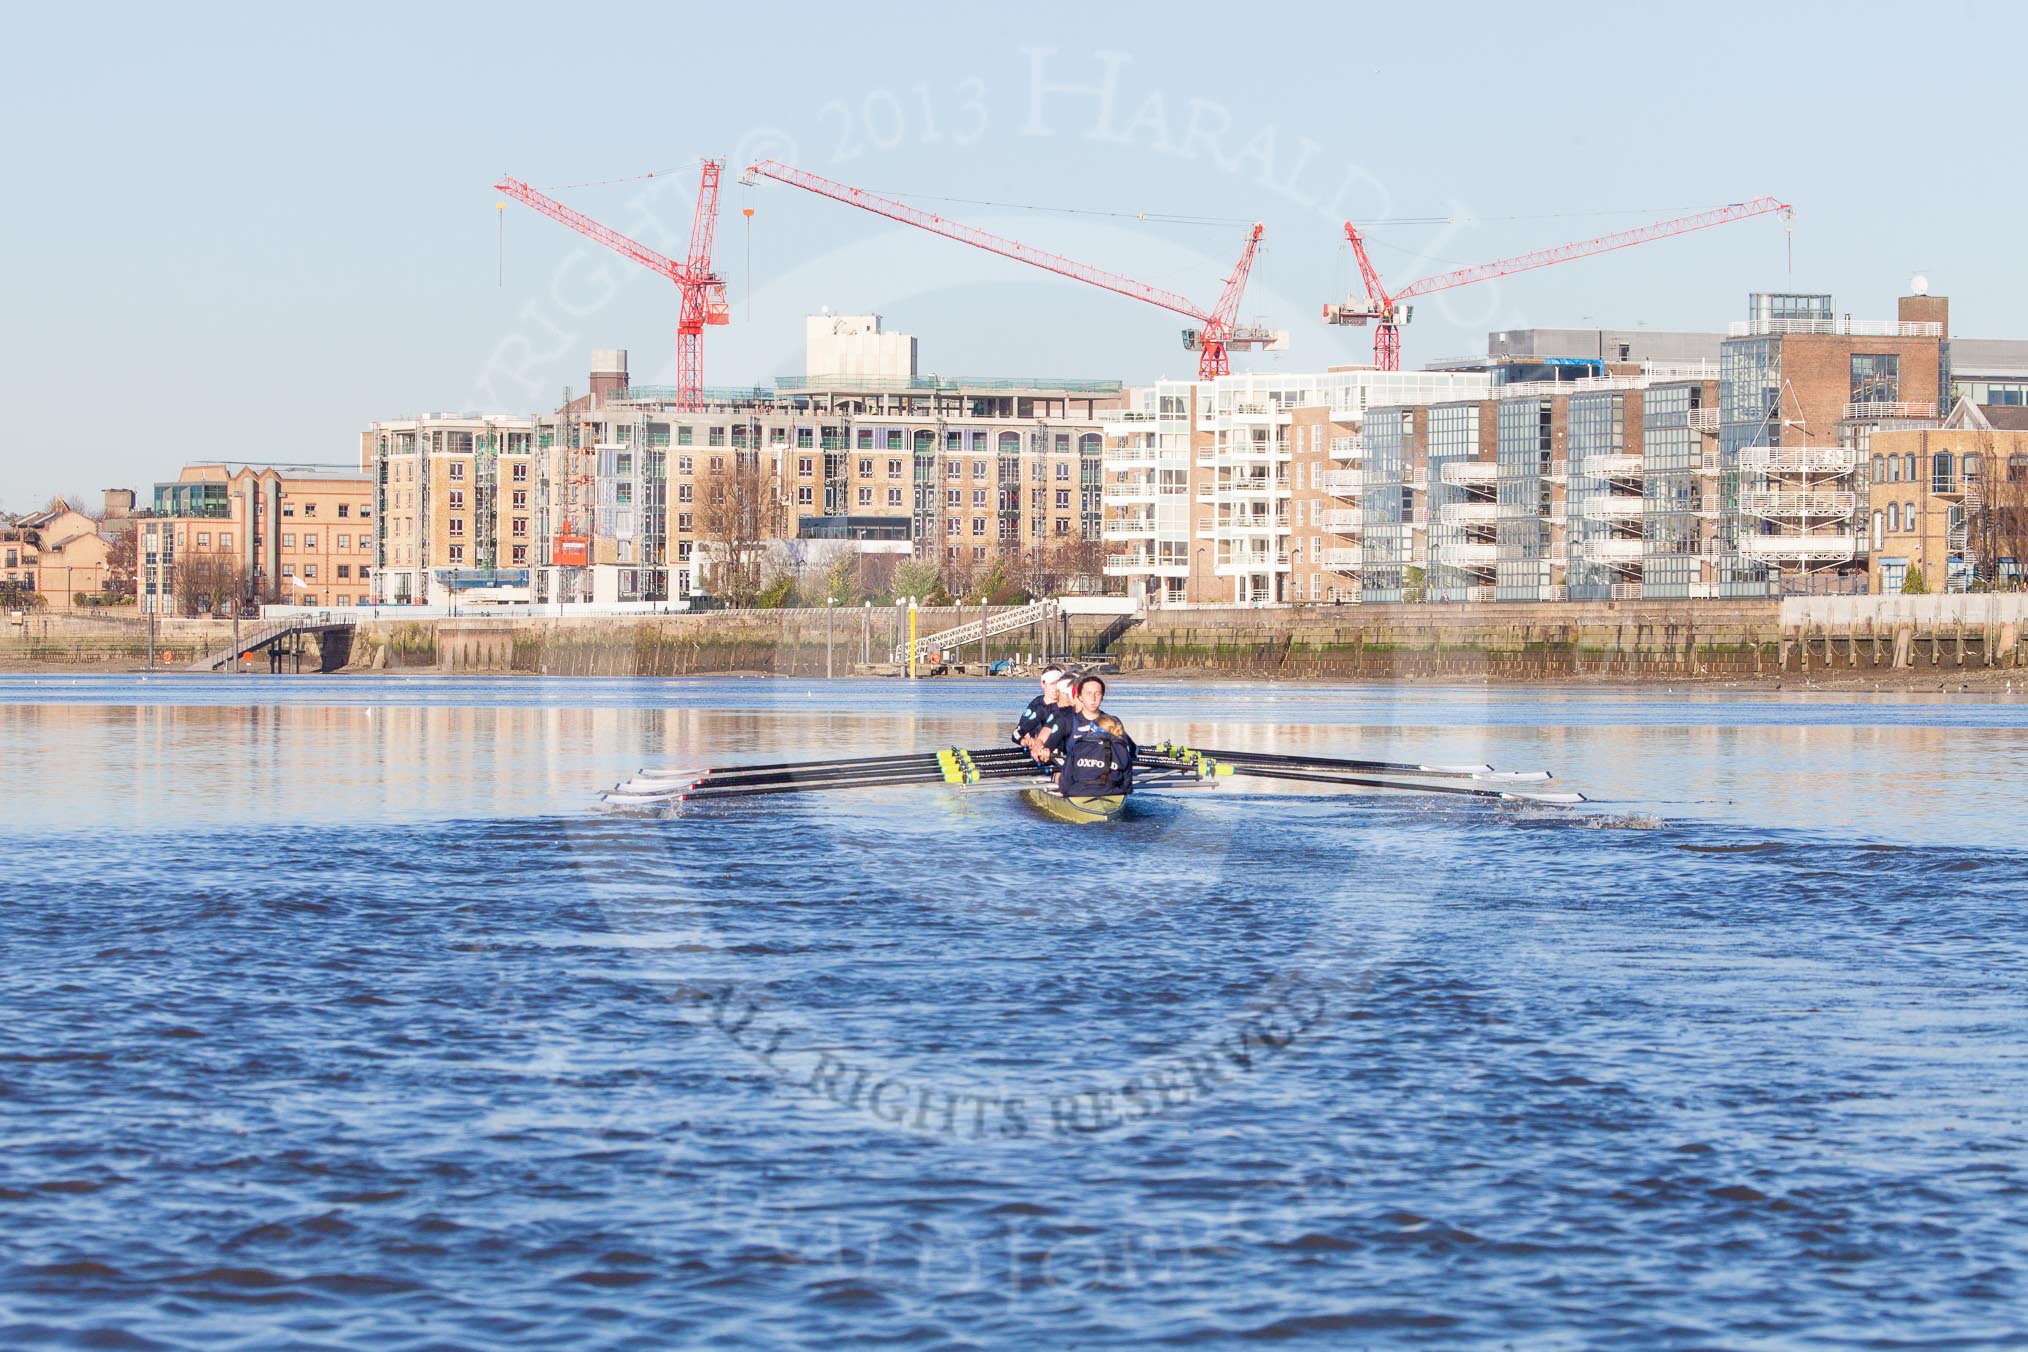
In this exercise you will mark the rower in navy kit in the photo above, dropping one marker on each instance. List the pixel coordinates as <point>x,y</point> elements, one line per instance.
<point>1037,713</point>
<point>1046,743</point>
<point>1098,756</point>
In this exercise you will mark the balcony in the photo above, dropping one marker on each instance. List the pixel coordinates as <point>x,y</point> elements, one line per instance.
<point>1870,412</point>
<point>1127,456</point>
<point>1340,558</point>
<point>1778,504</point>
<point>1343,482</point>
<point>1129,529</point>
<point>1704,420</point>
<point>1468,513</point>
<point>1477,472</point>
<point>1800,548</point>
<point>1800,459</point>
<point>1346,448</point>
<point>1607,466</point>
<point>1248,528</point>
<point>1612,550</point>
<point>1610,507</point>
<point>1342,519</point>
<point>1469,555</point>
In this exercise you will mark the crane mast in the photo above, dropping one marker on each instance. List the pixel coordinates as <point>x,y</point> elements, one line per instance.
<point>1387,311</point>
<point>1217,330</point>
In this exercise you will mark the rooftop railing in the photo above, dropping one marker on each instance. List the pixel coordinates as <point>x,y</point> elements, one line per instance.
<point>1843,326</point>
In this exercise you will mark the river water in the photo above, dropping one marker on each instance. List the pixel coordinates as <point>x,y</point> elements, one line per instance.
<point>336,1016</point>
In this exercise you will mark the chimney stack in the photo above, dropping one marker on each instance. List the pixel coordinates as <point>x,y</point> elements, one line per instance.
<point>608,373</point>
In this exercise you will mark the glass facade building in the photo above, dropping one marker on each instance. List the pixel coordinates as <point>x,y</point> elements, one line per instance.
<point>1385,506</point>
<point>1525,443</point>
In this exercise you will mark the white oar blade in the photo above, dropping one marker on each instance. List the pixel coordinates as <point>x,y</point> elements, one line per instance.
<point>1558,799</point>
<point>665,772</point>
<point>655,787</point>
<point>1515,777</point>
<point>1457,769</point>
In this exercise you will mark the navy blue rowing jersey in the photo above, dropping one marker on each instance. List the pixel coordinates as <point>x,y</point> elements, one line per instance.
<point>1032,719</point>
<point>1096,764</point>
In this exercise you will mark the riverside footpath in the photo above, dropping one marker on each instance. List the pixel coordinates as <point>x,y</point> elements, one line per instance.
<point>1915,641</point>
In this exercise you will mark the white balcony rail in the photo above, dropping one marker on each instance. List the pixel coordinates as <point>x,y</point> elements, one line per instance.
<point>1601,465</point>
<point>1800,459</point>
<point>1609,506</point>
<point>1468,555</point>
<point>1341,481</point>
<point>1129,530</point>
<point>1345,448</point>
<point>1704,420</point>
<point>1800,548</point>
<point>1611,550</point>
<point>1470,472</point>
<point>1845,325</point>
<point>1903,409</point>
<point>1780,504</point>
<point>1342,518</point>
<point>1468,513</point>
<point>1680,370</point>
<point>1340,558</point>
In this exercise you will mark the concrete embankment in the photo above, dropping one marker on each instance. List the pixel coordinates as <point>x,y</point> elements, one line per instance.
<point>1891,640</point>
<point>1882,638</point>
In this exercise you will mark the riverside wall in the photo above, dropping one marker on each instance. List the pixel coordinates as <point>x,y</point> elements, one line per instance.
<point>1878,637</point>
<point>1888,639</point>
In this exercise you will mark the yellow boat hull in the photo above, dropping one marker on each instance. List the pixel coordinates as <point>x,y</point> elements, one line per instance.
<point>1079,810</point>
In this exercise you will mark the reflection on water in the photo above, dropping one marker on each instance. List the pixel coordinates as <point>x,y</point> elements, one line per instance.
<point>198,752</point>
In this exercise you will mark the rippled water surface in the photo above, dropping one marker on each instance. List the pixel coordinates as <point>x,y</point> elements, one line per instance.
<point>336,1017</point>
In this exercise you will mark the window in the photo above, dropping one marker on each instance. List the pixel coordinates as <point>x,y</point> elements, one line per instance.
<point>683,464</point>
<point>1876,378</point>
<point>978,497</point>
<point>203,540</point>
<point>1893,517</point>
<point>345,570</point>
<point>718,464</point>
<point>521,553</point>
<point>457,499</point>
<point>865,497</point>
<point>225,539</point>
<point>955,498</point>
<point>686,435</point>
<point>894,469</point>
<point>1063,471</point>
<point>805,495</point>
<point>288,541</point>
<point>309,509</point>
<point>1063,525</point>
<point>520,499</point>
<point>894,497</point>
<point>865,438</point>
<point>457,553</point>
<point>978,525</point>
<point>1908,516</point>
<point>1894,469</point>
<point>806,437</point>
<point>364,572</point>
<point>865,467</point>
<point>1037,471</point>
<point>344,542</point>
<point>1876,530</point>
<point>1063,443</point>
<point>978,469</point>
<point>954,469</point>
<point>716,437</point>
<point>344,509</point>
<point>1972,465</point>
<point>1063,499</point>
<point>309,542</point>
<point>288,570</point>
<point>806,466</point>
<point>1908,466</point>
<point>520,477</point>
<point>1879,470</point>
<point>683,521</point>
<point>717,493</point>
<point>951,553</point>
<point>1940,478</point>
<point>520,525</point>
<point>953,526</point>
<point>288,509</point>
<point>457,469</point>
<point>457,525</point>
<point>685,493</point>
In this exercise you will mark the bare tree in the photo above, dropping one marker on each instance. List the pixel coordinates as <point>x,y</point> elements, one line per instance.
<point>208,584</point>
<point>740,516</point>
<point>1996,527</point>
<point>120,563</point>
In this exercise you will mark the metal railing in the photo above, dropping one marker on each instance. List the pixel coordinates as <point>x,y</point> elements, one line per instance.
<point>1020,617</point>
<point>1843,325</point>
<point>1780,504</point>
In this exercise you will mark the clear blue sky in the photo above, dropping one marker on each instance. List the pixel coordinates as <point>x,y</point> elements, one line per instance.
<point>242,232</point>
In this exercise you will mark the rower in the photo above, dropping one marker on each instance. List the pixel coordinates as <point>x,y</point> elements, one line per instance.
<point>1046,744</point>
<point>1098,756</point>
<point>1037,713</point>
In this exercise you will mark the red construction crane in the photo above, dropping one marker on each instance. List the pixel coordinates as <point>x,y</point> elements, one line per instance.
<point>702,290</point>
<point>1218,328</point>
<point>1387,309</point>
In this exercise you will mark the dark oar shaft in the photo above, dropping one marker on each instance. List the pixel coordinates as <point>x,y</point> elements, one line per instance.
<point>1241,758</point>
<point>899,758</point>
<point>926,762</point>
<point>1313,777</point>
<point>874,781</point>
